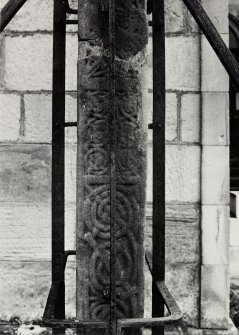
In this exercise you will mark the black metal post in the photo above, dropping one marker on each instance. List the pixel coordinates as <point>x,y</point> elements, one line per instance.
<point>58,156</point>
<point>158,159</point>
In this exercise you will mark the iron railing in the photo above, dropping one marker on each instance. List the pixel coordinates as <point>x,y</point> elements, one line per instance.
<point>54,314</point>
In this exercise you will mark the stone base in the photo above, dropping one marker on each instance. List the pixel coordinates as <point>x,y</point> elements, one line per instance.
<point>179,330</point>
<point>185,330</point>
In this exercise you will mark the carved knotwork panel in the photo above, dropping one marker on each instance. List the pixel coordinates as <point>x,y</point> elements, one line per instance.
<point>94,187</point>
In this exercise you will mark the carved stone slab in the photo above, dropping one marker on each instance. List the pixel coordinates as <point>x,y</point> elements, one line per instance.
<point>95,206</point>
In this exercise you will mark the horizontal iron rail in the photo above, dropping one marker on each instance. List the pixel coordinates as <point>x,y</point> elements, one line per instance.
<point>50,321</point>
<point>9,11</point>
<point>175,313</point>
<point>70,124</point>
<point>214,38</point>
<point>53,323</point>
<point>71,21</point>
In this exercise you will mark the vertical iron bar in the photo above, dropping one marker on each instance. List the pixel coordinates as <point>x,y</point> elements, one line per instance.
<point>158,158</point>
<point>58,156</point>
<point>113,327</point>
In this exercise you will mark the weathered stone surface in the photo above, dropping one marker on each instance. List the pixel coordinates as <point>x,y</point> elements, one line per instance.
<point>182,183</point>
<point>214,76</point>
<point>182,73</point>
<point>28,62</point>
<point>185,330</point>
<point>33,16</point>
<point>182,173</point>
<point>37,121</point>
<point>183,282</point>
<point>190,118</point>
<point>70,173</point>
<point>71,61</point>
<point>174,16</point>
<point>10,114</point>
<point>94,189</point>
<point>32,330</point>
<point>214,296</point>
<point>25,287</point>
<point>38,114</point>
<point>216,10</point>
<point>171,131</point>
<point>215,175</point>
<point>25,231</point>
<point>131,34</point>
<point>215,235</point>
<point>25,172</point>
<point>182,233</point>
<point>2,60</point>
<point>111,162</point>
<point>215,118</point>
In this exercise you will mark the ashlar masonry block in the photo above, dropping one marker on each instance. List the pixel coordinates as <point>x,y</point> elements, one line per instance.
<point>182,63</point>
<point>25,286</point>
<point>216,10</point>
<point>214,296</point>
<point>190,118</point>
<point>215,235</point>
<point>25,173</point>
<point>182,183</point>
<point>28,62</point>
<point>215,118</point>
<point>214,76</point>
<point>25,232</point>
<point>38,111</point>
<point>38,118</point>
<point>182,173</point>
<point>174,16</point>
<point>71,61</point>
<point>10,114</point>
<point>215,175</point>
<point>33,16</point>
<point>182,233</point>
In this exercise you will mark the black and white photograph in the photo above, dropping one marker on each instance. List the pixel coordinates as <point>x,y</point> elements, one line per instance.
<point>119,167</point>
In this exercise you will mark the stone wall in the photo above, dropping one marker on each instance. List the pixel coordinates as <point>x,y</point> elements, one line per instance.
<point>196,167</point>
<point>25,160</point>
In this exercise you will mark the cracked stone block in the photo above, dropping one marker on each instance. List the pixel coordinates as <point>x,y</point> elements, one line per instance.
<point>215,235</point>
<point>215,175</point>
